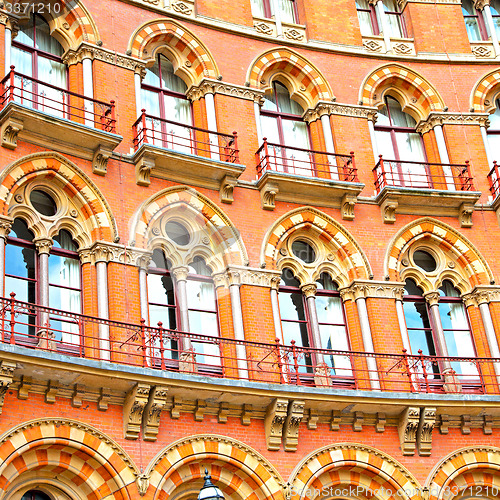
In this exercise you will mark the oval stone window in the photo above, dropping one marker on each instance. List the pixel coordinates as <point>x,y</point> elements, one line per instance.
<point>303,251</point>
<point>177,233</point>
<point>425,260</point>
<point>43,203</point>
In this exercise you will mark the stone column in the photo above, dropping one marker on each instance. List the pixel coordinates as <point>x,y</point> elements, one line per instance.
<point>8,45</point>
<point>371,128</point>
<point>101,256</point>
<point>138,100</point>
<point>277,17</point>
<point>212,125</point>
<point>88,90</point>
<point>488,18</point>
<point>486,144</point>
<point>5,227</point>
<point>379,6</point>
<point>45,335</point>
<point>143,262</point>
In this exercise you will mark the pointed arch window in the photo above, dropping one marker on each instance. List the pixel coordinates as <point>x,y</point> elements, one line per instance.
<point>169,114</point>
<point>287,134</point>
<point>401,147</point>
<point>38,56</point>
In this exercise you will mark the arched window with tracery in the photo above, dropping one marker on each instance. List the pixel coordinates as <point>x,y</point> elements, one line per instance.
<point>169,114</point>
<point>42,78</point>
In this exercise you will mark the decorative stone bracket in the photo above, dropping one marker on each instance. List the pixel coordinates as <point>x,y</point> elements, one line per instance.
<point>425,428</point>
<point>226,189</point>
<point>152,413</point>
<point>415,430</point>
<point>9,132</point>
<point>291,427</point>
<point>6,374</point>
<point>143,169</point>
<point>268,196</point>
<point>276,415</point>
<point>388,209</point>
<point>100,160</point>
<point>133,408</point>
<point>465,214</point>
<point>347,206</point>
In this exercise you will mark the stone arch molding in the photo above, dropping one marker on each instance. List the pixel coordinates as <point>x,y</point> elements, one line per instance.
<point>82,209</point>
<point>468,467</point>
<point>361,471</point>
<point>91,465</point>
<point>303,79</point>
<point>416,94</point>
<point>74,25</point>
<point>191,59</point>
<point>486,92</point>
<point>240,472</point>
<point>457,258</point>
<point>336,250</point>
<point>212,234</point>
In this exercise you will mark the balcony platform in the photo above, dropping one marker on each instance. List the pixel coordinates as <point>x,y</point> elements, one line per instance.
<point>66,136</point>
<point>301,189</point>
<point>162,163</point>
<point>420,201</point>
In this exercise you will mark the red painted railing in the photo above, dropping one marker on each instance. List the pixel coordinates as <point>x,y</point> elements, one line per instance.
<point>422,175</point>
<point>305,162</point>
<point>77,335</point>
<point>62,103</point>
<point>167,134</point>
<point>494,180</point>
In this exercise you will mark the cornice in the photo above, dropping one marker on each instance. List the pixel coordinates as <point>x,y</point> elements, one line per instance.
<point>209,86</point>
<point>434,118</point>
<point>334,108</point>
<point>373,289</point>
<point>105,251</point>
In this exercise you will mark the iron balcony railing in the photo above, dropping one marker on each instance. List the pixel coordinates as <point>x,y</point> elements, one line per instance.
<point>494,180</point>
<point>305,162</point>
<point>422,175</point>
<point>167,134</point>
<point>77,335</point>
<point>62,103</point>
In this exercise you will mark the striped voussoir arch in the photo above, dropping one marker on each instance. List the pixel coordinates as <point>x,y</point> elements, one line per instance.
<point>70,181</point>
<point>221,231</point>
<point>291,63</point>
<point>361,470</point>
<point>77,453</point>
<point>470,470</point>
<point>238,470</point>
<point>178,38</point>
<point>419,91</point>
<point>483,90</point>
<point>467,256</point>
<point>78,23</point>
<point>345,250</point>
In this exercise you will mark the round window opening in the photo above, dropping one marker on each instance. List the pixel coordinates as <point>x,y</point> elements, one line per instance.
<point>425,260</point>
<point>43,203</point>
<point>177,233</point>
<point>303,251</point>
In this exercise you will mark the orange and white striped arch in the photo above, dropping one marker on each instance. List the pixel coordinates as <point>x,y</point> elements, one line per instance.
<point>415,94</point>
<point>345,252</point>
<point>473,472</point>
<point>88,464</point>
<point>83,210</point>
<point>485,93</point>
<point>220,240</point>
<point>471,265</point>
<point>303,79</point>
<point>239,471</point>
<point>352,470</point>
<point>189,55</point>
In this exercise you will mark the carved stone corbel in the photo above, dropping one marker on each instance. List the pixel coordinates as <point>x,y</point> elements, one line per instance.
<point>223,413</point>
<point>200,410</point>
<point>425,428</point>
<point>335,420</point>
<point>6,375</point>
<point>133,408</point>
<point>9,131</point>
<point>487,424</point>
<point>347,206</point>
<point>276,415</point>
<point>246,414</point>
<point>466,421</point>
<point>388,209</point>
<point>380,423</point>
<point>312,419</point>
<point>291,427</point>
<point>100,160</point>
<point>143,169</point>
<point>465,214</point>
<point>175,411</point>
<point>357,424</point>
<point>142,483</point>
<point>77,396</point>
<point>152,413</point>
<point>24,387</point>
<point>103,400</point>
<point>268,196</point>
<point>51,392</point>
<point>407,429</point>
<point>444,424</point>
<point>226,189</point>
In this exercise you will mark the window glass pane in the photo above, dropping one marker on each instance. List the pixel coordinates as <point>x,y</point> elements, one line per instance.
<point>64,271</point>
<point>394,25</point>
<point>26,34</point>
<point>447,289</point>
<point>468,7</point>
<point>20,230</point>
<point>64,299</point>
<point>51,71</point>
<point>269,103</point>
<point>152,76</point>
<point>258,8</point>
<point>286,10</point>
<point>49,99</point>
<point>286,105</point>
<point>412,289</point>
<point>365,23</point>
<point>158,260</point>
<point>201,295</point>
<point>398,117</point>
<point>288,279</point>
<point>198,266</point>
<point>495,118</point>
<point>65,241</point>
<point>177,110</point>
<point>270,128</point>
<point>44,41</point>
<point>171,81</point>
<point>419,330</point>
<point>25,290</point>
<point>22,61</point>
<point>385,145</point>
<point>292,306</point>
<point>410,148</point>
<point>383,116</point>
<point>325,282</point>
<point>295,134</point>
<point>164,314</point>
<point>160,290</point>
<point>20,262</point>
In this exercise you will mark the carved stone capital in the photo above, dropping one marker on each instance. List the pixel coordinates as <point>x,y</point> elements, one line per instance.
<point>209,86</point>
<point>469,300</point>
<point>309,289</point>
<point>102,251</point>
<point>43,244</point>
<point>133,408</point>
<point>291,426</point>
<point>9,22</point>
<point>445,118</point>
<point>373,289</point>
<point>180,273</point>
<point>220,280</point>
<point>480,4</point>
<point>204,88</point>
<point>226,189</point>
<point>432,298</point>
<point>407,428</point>
<point>152,413</point>
<point>5,226</point>
<point>486,294</point>
<point>6,375</point>
<point>141,258</point>
<point>334,108</point>
<point>85,51</point>
<point>9,131</point>
<point>425,428</point>
<point>276,414</point>
<point>427,125</point>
